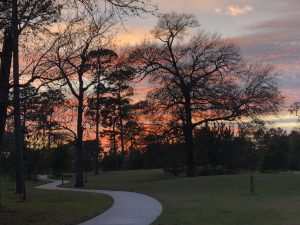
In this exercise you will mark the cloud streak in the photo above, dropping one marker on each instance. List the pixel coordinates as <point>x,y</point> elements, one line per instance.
<point>237,11</point>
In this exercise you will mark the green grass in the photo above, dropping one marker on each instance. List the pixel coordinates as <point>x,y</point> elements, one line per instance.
<point>50,207</point>
<point>214,200</point>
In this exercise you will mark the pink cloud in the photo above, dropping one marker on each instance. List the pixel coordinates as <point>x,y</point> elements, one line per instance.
<point>236,10</point>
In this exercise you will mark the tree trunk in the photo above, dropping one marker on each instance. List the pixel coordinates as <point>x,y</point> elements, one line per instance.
<point>188,137</point>
<point>122,140</point>
<point>97,131</point>
<point>4,80</point>
<point>19,136</point>
<point>189,150</point>
<point>49,138</point>
<point>121,132</point>
<point>115,145</point>
<point>6,57</point>
<point>79,147</point>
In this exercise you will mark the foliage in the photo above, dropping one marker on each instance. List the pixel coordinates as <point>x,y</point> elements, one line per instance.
<point>61,160</point>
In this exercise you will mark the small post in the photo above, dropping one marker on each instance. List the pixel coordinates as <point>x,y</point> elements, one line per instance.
<point>62,179</point>
<point>252,182</point>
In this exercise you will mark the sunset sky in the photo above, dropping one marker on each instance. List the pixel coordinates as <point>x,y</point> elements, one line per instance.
<point>265,30</point>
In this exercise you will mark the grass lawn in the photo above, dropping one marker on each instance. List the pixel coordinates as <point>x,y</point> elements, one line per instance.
<point>50,207</point>
<point>214,200</point>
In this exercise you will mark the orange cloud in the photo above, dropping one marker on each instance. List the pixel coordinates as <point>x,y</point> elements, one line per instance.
<point>236,10</point>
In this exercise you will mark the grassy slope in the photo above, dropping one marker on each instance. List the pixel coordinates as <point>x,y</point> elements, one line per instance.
<point>215,200</point>
<point>51,207</point>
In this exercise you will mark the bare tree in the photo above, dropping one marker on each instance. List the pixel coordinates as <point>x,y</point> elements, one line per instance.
<point>201,78</point>
<point>71,57</point>
<point>119,8</point>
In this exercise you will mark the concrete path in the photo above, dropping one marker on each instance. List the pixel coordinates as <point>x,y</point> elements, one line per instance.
<point>129,208</point>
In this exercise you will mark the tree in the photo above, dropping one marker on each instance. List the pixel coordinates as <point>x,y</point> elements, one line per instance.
<point>28,105</point>
<point>202,78</point>
<point>91,152</point>
<point>294,108</point>
<point>109,120</point>
<point>251,141</point>
<point>119,8</point>
<point>6,56</point>
<point>61,160</point>
<point>71,58</point>
<point>275,157</point>
<point>101,62</point>
<point>19,17</point>
<point>294,150</point>
<point>49,102</point>
<point>121,90</point>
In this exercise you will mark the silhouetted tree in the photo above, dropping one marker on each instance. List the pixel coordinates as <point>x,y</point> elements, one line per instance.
<point>71,58</point>
<point>101,62</point>
<point>91,152</point>
<point>294,150</point>
<point>109,120</point>
<point>20,17</point>
<point>275,156</point>
<point>49,103</point>
<point>61,160</point>
<point>6,57</point>
<point>294,108</point>
<point>202,78</point>
<point>121,90</point>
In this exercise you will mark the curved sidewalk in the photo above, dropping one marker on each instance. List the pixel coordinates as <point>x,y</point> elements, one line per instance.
<point>129,208</point>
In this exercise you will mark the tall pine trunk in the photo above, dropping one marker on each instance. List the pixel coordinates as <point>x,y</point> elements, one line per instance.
<point>49,136</point>
<point>115,145</point>
<point>6,59</point>
<point>121,131</point>
<point>97,166</point>
<point>4,90</point>
<point>19,134</point>
<point>122,140</point>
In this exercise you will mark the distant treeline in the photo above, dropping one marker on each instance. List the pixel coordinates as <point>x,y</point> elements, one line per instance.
<point>218,150</point>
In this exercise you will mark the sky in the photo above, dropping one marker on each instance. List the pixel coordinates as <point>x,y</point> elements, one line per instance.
<point>265,30</point>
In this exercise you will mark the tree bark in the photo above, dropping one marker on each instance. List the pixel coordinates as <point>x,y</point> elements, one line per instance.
<point>49,136</point>
<point>121,131</point>
<point>79,145</point>
<point>188,137</point>
<point>115,145</point>
<point>6,59</point>
<point>122,140</point>
<point>97,130</point>
<point>19,136</point>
